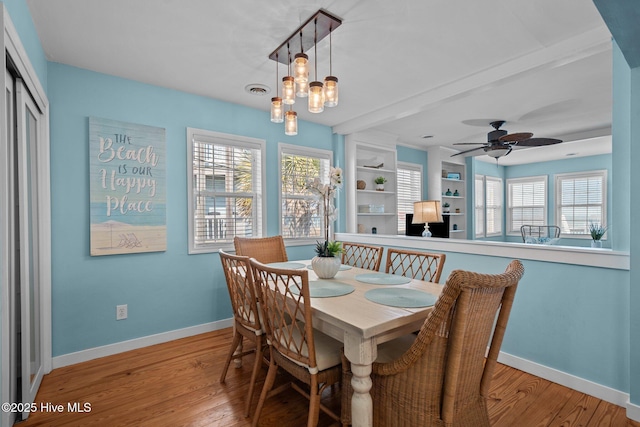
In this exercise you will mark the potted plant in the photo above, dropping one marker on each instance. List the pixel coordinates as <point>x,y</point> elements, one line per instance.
<point>326,264</point>
<point>596,230</point>
<point>446,207</point>
<point>380,183</point>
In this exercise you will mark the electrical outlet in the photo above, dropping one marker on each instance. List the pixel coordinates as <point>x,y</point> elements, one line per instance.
<point>121,312</point>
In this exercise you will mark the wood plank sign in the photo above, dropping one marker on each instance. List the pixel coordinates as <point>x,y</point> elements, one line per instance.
<point>127,169</point>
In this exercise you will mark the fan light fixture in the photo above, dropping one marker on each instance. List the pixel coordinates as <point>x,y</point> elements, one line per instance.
<point>497,151</point>
<point>426,211</point>
<point>297,83</point>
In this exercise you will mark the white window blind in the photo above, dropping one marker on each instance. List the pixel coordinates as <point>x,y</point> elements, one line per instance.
<point>527,202</point>
<point>301,212</point>
<point>225,188</point>
<point>479,205</point>
<point>581,199</point>
<point>409,177</point>
<point>493,205</point>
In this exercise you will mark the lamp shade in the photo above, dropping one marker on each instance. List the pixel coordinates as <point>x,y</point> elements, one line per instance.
<point>276,110</point>
<point>427,211</point>
<point>288,90</point>
<point>330,91</point>
<point>316,97</point>
<point>496,152</point>
<point>290,123</point>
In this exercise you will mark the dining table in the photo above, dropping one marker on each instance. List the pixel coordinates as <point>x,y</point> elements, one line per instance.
<point>363,309</point>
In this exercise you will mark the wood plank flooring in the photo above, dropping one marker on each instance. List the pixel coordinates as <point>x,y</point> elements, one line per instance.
<point>176,384</point>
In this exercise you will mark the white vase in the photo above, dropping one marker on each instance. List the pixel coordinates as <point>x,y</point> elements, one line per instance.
<point>596,243</point>
<point>379,187</point>
<point>325,267</point>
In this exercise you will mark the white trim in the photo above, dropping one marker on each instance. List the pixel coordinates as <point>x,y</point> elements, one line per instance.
<point>121,347</point>
<point>600,391</point>
<point>572,255</point>
<point>633,411</point>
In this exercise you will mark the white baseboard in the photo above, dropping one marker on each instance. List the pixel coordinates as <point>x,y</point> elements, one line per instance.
<point>108,350</point>
<point>580,384</point>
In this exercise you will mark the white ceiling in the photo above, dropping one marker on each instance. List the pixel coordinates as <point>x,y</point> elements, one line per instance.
<point>407,68</point>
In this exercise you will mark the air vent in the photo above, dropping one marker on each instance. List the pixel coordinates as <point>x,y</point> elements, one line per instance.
<point>257,89</point>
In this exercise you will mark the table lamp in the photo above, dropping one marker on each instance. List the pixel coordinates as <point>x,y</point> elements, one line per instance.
<point>426,211</point>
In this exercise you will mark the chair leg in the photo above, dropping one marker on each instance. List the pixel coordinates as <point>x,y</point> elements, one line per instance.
<point>237,340</point>
<point>268,384</point>
<point>314,403</point>
<point>254,375</point>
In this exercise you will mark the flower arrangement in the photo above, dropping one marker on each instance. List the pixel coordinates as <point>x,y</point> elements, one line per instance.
<point>597,230</point>
<point>326,193</point>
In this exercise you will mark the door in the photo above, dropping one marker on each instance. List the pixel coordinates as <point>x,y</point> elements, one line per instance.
<point>26,231</point>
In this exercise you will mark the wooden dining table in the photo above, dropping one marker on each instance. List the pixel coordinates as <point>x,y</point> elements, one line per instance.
<point>362,325</point>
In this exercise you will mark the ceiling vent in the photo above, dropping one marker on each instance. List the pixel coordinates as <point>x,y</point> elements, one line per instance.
<point>257,89</point>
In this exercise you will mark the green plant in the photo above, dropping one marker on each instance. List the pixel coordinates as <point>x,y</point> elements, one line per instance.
<point>446,205</point>
<point>597,230</point>
<point>328,249</point>
<point>380,180</point>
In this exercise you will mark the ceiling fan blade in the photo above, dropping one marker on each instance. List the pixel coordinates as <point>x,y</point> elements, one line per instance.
<point>514,137</point>
<point>469,143</point>
<point>537,142</point>
<point>467,151</point>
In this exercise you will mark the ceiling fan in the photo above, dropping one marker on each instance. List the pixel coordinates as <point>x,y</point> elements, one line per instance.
<point>500,143</point>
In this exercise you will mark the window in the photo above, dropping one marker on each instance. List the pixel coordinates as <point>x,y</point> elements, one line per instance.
<point>493,205</point>
<point>409,191</point>
<point>479,205</point>
<point>301,213</point>
<point>527,202</point>
<point>488,206</point>
<point>581,199</point>
<point>225,187</point>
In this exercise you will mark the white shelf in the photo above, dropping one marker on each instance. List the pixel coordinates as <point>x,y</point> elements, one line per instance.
<point>375,170</point>
<point>452,197</point>
<point>453,213</point>
<point>453,180</point>
<point>385,192</point>
<point>376,214</point>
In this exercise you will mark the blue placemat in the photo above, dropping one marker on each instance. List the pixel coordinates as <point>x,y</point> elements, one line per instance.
<point>286,264</point>
<point>342,267</point>
<point>325,288</point>
<point>382,279</point>
<point>401,297</point>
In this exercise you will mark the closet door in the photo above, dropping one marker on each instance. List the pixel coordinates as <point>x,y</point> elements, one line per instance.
<point>27,136</point>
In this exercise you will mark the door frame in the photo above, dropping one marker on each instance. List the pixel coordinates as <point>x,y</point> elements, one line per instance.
<point>13,47</point>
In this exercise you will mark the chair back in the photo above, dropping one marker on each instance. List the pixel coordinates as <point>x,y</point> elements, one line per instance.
<point>417,265</point>
<point>550,231</point>
<point>242,291</point>
<point>285,295</point>
<point>470,302</point>
<point>264,249</point>
<point>362,256</point>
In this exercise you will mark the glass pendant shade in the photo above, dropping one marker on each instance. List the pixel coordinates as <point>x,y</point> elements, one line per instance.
<point>301,68</point>
<point>330,91</point>
<point>316,97</point>
<point>302,89</point>
<point>277,113</point>
<point>288,90</point>
<point>291,123</point>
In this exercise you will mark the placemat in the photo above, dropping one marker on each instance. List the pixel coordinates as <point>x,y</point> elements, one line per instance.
<point>325,288</point>
<point>342,267</point>
<point>287,264</point>
<point>401,297</point>
<point>382,279</point>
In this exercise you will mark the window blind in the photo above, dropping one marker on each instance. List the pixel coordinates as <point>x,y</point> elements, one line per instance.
<point>581,201</point>
<point>527,202</point>
<point>409,178</point>
<point>493,205</point>
<point>479,205</point>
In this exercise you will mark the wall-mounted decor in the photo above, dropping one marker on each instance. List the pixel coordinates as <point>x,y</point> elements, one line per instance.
<point>127,172</point>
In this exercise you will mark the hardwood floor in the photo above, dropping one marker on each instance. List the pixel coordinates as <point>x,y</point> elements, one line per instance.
<point>176,384</point>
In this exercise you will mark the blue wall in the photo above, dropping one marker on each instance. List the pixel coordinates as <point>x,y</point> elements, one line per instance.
<point>167,290</point>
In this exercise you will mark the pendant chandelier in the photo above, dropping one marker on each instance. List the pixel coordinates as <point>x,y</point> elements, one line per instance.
<point>296,83</point>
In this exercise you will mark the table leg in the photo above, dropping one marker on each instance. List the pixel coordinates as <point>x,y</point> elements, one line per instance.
<point>361,353</point>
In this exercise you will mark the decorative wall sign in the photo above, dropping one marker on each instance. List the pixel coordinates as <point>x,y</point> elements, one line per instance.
<point>127,170</point>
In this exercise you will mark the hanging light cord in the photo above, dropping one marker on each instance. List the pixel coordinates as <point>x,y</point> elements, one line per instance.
<point>330,52</point>
<point>315,47</point>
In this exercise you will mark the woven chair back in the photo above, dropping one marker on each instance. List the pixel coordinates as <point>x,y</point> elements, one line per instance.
<point>242,291</point>
<point>264,249</point>
<point>417,265</point>
<point>284,296</point>
<point>550,231</point>
<point>363,256</point>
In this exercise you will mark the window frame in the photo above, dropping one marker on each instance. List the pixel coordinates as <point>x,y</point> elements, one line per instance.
<point>412,167</point>
<point>558,199</point>
<point>479,208</point>
<point>298,150</point>
<point>509,208</point>
<point>232,140</point>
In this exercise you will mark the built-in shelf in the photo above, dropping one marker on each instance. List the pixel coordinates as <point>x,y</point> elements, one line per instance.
<point>382,193</point>
<point>376,214</point>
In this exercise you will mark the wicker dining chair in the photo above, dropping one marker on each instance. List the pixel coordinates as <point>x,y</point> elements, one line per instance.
<point>363,256</point>
<point>441,376</point>
<point>310,356</point>
<point>264,249</point>
<point>246,317</point>
<point>417,265</point>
